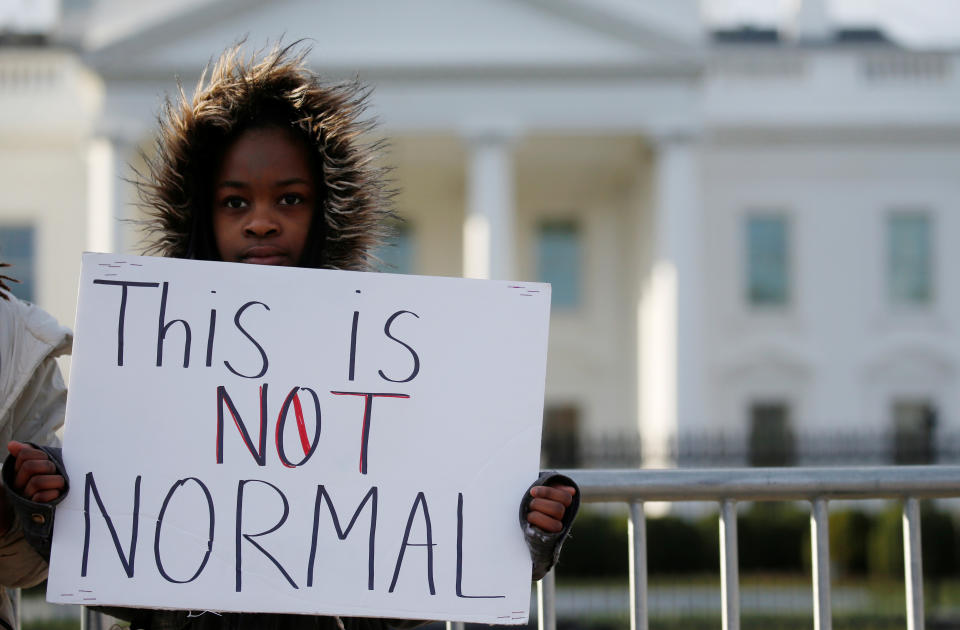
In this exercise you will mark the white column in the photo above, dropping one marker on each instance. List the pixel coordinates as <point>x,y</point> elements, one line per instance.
<point>110,197</point>
<point>671,354</point>
<point>488,230</point>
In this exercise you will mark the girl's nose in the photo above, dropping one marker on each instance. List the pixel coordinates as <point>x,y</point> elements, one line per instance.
<point>262,222</point>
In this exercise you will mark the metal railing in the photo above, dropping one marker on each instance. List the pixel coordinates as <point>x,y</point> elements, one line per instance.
<point>728,486</point>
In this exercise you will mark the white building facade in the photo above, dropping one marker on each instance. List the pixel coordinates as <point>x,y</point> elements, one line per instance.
<point>748,235</point>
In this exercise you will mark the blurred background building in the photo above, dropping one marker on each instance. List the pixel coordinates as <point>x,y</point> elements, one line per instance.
<point>749,230</point>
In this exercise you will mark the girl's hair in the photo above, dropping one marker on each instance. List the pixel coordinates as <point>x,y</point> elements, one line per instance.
<point>274,90</point>
<point>4,289</point>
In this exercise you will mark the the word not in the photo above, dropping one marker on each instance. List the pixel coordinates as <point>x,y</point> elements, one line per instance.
<point>309,444</point>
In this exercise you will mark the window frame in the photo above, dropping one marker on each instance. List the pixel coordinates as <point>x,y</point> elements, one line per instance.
<point>540,226</point>
<point>746,270</point>
<point>888,263</point>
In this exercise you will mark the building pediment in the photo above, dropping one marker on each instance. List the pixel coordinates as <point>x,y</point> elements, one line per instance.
<point>382,35</point>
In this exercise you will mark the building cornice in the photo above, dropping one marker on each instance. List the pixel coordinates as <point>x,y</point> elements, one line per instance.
<point>933,134</point>
<point>683,70</point>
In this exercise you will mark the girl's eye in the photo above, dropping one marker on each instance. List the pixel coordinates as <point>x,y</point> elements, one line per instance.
<point>234,202</point>
<point>290,199</point>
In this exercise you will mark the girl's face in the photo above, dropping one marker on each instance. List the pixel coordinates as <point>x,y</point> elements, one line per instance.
<point>263,198</point>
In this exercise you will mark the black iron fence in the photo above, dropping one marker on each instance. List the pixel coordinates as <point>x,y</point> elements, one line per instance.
<point>724,449</point>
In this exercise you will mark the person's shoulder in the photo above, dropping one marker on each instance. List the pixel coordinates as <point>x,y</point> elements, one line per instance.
<point>13,317</point>
<point>24,318</point>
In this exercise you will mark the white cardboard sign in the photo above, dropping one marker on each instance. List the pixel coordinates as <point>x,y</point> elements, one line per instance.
<point>247,438</point>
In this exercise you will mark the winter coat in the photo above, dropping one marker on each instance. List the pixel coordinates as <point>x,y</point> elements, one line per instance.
<point>32,399</point>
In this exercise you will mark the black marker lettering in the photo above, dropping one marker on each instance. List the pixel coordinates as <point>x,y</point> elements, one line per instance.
<point>413,353</point>
<point>250,537</point>
<point>163,510</point>
<point>370,497</point>
<point>265,363</point>
<point>123,308</point>
<point>210,333</point>
<point>164,326</point>
<point>420,500</point>
<point>126,560</point>
<point>353,343</point>
<point>367,416</point>
<point>460,555</point>
<point>260,452</point>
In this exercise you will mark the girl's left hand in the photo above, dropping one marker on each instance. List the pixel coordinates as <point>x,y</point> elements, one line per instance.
<point>549,505</point>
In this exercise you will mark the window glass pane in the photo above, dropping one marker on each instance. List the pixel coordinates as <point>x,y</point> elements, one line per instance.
<point>558,261</point>
<point>768,260</point>
<point>17,248</point>
<point>396,253</point>
<point>910,276</point>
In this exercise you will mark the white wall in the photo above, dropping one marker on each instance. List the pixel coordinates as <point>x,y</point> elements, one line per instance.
<point>49,103</point>
<point>840,351</point>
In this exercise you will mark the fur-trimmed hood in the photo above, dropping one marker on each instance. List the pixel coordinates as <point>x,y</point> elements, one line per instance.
<point>4,289</point>
<point>355,197</point>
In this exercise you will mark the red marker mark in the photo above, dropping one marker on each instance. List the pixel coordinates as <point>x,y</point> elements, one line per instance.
<point>301,425</point>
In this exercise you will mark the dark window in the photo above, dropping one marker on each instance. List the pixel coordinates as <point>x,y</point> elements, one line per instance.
<point>771,437</point>
<point>558,261</point>
<point>561,445</point>
<point>17,248</point>
<point>914,425</point>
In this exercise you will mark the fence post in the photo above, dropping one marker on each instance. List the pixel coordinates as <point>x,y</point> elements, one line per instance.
<point>729,571</point>
<point>637,536</point>
<point>820,540</point>
<point>913,563</point>
<point>13,595</point>
<point>547,602</point>
<point>91,620</point>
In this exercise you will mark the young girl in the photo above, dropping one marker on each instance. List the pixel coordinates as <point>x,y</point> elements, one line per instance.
<point>267,165</point>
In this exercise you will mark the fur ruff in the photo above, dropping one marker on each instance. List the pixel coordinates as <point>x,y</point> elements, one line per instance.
<point>4,289</point>
<point>356,196</point>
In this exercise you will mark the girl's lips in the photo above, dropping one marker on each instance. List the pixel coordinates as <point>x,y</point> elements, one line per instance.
<point>263,255</point>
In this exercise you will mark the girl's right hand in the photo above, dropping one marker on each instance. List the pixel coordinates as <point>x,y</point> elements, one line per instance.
<point>36,477</point>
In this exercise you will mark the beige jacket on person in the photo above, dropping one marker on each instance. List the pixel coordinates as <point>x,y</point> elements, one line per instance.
<point>32,400</point>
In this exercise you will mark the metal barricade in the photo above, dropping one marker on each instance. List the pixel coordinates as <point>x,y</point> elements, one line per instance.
<point>726,487</point>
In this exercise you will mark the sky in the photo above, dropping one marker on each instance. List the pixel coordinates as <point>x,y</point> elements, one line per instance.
<point>920,23</point>
<point>914,23</point>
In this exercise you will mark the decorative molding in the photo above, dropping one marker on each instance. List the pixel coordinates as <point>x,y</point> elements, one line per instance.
<point>491,133</point>
<point>620,25</point>
<point>438,72</point>
<point>783,360</point>
<point>759,134</point>
<point>910,356</point>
